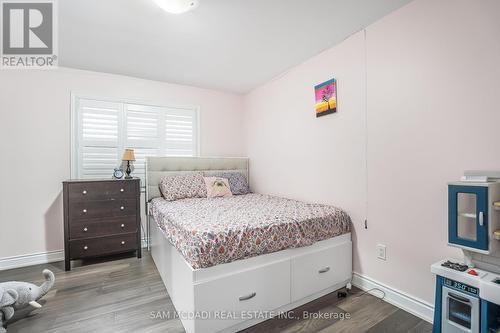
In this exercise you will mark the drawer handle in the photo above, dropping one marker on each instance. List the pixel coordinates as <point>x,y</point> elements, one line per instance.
<point>122,190</point>
<point>85,247</point>
<point>84,192</point>
<point>324,270</point>
<point>84,211</point>
<point>122,208</point>
<point>123,226</point>
<point>85,229</point>
<point>247,297</point>
<point>123,242</point>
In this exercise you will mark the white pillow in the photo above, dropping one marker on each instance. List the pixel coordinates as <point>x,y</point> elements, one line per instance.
<point>217,187</point>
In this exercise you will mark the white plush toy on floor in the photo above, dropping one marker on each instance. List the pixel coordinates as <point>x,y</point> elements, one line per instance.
<point>18,295</point>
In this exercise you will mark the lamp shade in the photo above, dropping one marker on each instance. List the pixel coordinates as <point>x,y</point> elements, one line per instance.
<point>128,155</point>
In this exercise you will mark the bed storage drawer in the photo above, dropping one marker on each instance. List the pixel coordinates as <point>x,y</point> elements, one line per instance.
<point>262,289</point>
<point>315,271</point>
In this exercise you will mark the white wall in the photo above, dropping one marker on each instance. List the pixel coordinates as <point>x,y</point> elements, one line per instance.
<point>430,84</point>
<point>35,143</point>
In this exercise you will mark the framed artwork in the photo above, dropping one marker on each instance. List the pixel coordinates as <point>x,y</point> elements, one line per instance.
<point>326,98</point>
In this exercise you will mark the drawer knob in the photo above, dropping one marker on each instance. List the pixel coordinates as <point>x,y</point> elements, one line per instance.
<point>85,229</point>
<point>84,211</point>
<point>85,247</point>
<point>324,270</point>
<point>84,192</point>
<point>122,208</point>
<point>123,226</point>
<point>247,297</point>
<point>122,190</point>
<point>123,242</point>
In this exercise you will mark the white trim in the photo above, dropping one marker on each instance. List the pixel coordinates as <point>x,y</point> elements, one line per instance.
<point>31,259</point>
<point>39,258</point>
<point>402,300</point>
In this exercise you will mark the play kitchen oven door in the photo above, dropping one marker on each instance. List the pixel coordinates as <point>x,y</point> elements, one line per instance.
<point>460,312</point>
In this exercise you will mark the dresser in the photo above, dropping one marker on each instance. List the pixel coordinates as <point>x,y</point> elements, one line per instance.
<point>101,217</point>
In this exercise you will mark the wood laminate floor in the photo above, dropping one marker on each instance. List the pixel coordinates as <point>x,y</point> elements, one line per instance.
<point>124,294</point>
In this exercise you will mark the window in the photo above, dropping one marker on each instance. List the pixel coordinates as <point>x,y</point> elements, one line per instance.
<point>103,129</point>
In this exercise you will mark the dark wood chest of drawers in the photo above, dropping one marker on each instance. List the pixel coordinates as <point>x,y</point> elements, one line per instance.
<point>101,217</point>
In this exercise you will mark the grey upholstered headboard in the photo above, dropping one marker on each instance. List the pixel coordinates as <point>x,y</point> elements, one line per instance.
<point>158,167</point>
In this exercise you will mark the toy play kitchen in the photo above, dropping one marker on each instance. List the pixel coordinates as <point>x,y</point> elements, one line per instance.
<point>468,290</point>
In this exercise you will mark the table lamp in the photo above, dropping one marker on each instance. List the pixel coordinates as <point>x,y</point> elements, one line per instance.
<point>128,156</point>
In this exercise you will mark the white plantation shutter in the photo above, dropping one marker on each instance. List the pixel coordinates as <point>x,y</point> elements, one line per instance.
<point>102,130</point>
<point>180,133</point>
<point>98,130</point>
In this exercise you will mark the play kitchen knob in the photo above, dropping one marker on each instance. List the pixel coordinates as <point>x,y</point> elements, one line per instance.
<point>85,229</point>
<point>84,192</point>
<point>123,226</point>
<point>123,242</point>
<point>85,247</point>
<point>122,208</point>
<point>84,211</point>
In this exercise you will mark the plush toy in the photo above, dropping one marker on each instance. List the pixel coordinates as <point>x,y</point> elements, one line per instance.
<point>26,294</point>
<point>7,300</point>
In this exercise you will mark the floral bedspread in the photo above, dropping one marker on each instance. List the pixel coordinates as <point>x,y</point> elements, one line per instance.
<point>212,231</point>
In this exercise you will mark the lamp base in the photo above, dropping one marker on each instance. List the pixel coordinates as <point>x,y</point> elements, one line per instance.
<point>128,171</point>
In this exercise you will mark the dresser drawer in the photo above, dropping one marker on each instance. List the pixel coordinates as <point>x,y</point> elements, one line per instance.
<point>102,190</point>
<point>93,247</point>
<point>319,270</point>
<point>102,209</point>
<point>262,289</point>
<point>104,227</point>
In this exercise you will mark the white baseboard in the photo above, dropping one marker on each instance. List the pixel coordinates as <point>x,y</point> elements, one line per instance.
<point>396,297</point>
<point>31,259</point>
<point>38,258</point>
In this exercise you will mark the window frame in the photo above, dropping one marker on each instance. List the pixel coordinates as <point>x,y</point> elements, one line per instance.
<point>74,123</point>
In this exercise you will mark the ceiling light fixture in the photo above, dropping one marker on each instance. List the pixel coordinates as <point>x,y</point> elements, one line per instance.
<point>177,6</point>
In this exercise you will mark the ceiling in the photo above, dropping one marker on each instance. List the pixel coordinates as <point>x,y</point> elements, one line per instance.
<point>230,45</point>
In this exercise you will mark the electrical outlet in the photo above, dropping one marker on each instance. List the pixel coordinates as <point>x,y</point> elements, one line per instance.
<point>382,251</point>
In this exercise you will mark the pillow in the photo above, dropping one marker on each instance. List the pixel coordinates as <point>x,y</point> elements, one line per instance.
<point>190,185</point>
<point>237,181</point>
<point>217,187</point>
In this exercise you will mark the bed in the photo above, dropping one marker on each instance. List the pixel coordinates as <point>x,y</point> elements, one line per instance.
<point>229,263</point>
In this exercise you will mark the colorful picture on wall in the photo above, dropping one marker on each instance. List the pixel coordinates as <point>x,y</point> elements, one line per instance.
<point>326,98</point>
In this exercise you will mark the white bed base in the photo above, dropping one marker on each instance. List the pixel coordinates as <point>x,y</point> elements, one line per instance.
<point>231,297</point>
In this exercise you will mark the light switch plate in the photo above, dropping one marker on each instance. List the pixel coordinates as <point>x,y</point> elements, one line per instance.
<point>382,251</point>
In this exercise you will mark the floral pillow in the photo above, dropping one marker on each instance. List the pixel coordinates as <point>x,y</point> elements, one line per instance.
<point>237,181</point>
<point>190,185</point>
<point>217,187</point>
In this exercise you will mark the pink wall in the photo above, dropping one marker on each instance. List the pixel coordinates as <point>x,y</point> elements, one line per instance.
<point>432,77</point>
<point>35,142</point>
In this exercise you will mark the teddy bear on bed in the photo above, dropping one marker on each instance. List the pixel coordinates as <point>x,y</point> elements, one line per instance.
<point>19,295</point>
